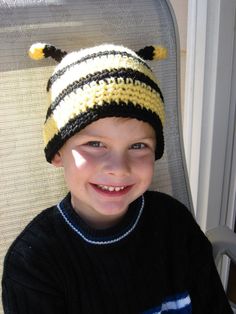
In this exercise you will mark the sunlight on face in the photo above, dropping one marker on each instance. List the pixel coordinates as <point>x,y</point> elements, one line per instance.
<point>78,158</point>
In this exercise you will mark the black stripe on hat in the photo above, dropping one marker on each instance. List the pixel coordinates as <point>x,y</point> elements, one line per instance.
<point>104,75</point>
<point>60,72</point>
<point>113,109</point>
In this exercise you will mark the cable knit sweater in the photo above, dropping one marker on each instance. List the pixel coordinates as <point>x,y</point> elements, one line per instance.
<point>155,260</point>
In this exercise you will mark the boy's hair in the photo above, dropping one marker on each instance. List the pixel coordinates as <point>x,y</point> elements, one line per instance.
<point>94,83</point>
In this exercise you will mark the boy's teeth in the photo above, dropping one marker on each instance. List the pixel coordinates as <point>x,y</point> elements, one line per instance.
<point>111,188</point>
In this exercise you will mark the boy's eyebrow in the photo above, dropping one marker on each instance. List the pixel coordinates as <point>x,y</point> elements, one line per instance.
<point>91,135</point>
<point>144,138</point>
<point>151,137</point>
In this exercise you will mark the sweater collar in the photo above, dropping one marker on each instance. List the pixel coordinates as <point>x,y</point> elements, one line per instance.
<point>105,236</point>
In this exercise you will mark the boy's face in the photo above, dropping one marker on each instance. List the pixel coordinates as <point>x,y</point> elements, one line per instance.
<point>107,165</point>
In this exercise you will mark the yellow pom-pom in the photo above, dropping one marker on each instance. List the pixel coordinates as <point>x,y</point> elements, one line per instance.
<point>159,53</point>
<point>36,51</point>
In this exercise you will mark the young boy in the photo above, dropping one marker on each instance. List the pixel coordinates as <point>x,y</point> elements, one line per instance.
<point>110,246</point>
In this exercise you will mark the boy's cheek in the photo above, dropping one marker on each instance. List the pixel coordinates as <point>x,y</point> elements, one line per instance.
<point>144,167</point>
<point>146,160</point>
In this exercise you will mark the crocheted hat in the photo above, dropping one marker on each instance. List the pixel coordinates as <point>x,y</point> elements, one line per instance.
<point>94,83</point>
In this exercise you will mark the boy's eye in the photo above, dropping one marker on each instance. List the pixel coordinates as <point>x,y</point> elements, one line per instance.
<point>94,144</point>
<point>138,146</point>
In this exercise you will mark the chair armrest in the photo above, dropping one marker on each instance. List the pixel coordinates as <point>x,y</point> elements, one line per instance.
<point>223,241</point>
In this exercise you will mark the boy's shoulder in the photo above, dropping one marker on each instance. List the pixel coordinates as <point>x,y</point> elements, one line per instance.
<point>37,235</point>
<point>164,202</point>
<point>32,259</point>
<point>173,221</point>
<point>166,211</point>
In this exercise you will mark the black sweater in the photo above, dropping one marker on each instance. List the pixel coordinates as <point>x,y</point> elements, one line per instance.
<point>156,260</point>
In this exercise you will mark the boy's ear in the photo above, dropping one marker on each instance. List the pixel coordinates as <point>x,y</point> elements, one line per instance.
<point>57,160</point>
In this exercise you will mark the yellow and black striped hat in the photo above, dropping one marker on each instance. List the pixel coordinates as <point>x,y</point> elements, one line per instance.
<point>94,83</point>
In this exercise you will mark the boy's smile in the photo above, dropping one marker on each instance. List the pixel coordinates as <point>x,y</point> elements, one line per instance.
<point>107,165</point>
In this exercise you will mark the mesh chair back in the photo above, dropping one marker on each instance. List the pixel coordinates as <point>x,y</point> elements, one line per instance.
<point>28,183</point>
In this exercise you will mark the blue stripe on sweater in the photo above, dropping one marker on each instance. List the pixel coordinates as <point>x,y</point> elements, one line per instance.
<point>177,304</point>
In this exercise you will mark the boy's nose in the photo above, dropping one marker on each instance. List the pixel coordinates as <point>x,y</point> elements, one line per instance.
<point>117,164</point>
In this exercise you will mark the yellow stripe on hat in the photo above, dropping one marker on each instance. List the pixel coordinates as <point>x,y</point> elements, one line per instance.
<point>81,100</point>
